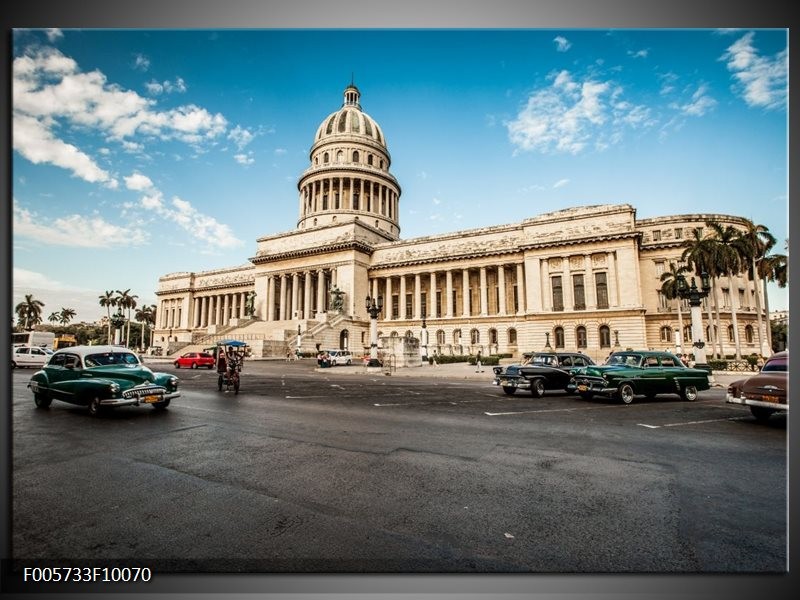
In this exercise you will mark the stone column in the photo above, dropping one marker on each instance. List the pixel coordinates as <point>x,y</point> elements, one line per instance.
<point>403,292</point>
<point>307,296</point>
<point>501,286</point>
<point>387,302</point>
<point>295,296</point>
<point>613,295</point>
<point>566,285</point>
<point>282,298</point>
<point>320,291</point>
<point>196,313</point>
<point>588,284</point>
<point>204,311</point>
<point>484,293</point>
<point>417,297</point>
<point>546,287</point>
<point>467,309</point>
<point>432,296</point>
<point>521,288</point>
<point>217,310</point>
<point>270,309</point>
<point>225,307</point>
<point>448,311</point>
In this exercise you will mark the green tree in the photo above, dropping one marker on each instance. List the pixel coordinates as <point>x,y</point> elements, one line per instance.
<point>146,315</point>
<point>699,255</point>
<point>29,312</point>
<point>66,315</point>
<point>773,267</point>
<point>54,317</point>
<point>127,301</point>
<point>108,300</point>
<point>669,287</point>
<point>753,244</point>
<point>728,263</point>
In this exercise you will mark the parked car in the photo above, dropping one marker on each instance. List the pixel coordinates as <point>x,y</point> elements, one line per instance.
<point>628,374</point>
<point>340,357</point>
<point>193,360</point>
<point>539,372</point>
<point>764,393</point>
<point>29,356</point>
<point>100,377</point>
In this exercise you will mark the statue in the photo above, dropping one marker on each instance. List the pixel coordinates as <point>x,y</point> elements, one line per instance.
<point>337,300</point>
<point>250,304</point>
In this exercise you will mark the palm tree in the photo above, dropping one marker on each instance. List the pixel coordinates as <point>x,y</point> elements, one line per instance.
<point>753,244</point>
<point>65,316</point>
<point>146,315</point>
<point>669,287</point>
<point>127,301</point>
<point>772,268</point>
<point>54,317</point>
<point>29,312</point>
<point>108,300</point>
<point>729,263</point>
<point>698,254</point>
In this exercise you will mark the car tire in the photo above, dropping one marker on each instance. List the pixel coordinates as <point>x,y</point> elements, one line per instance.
<point>41,400</point>
<point>161,405</point>
<point>537,388</point>
<point>13,365</point>
<point>177,365</point>
<point>94,407</point>
<point>625,393</point>
<point>219,383</point>
<point>760,413</point>
<point>689,393</point>
<point>349,362</point>
<point>194,365</point>
<point>510,391</point>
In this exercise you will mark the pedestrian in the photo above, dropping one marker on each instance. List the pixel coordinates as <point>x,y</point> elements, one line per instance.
<point>288,356</point>
<point>478,365</point>
<point>434,359</point>
<point>760,362</point>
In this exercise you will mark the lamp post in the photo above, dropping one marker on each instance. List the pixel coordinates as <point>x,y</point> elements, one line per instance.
<point>547,346</point>
<point>299,341</point>
<point>374,307</point>
<point>424,340</point>
<point>695,295</point>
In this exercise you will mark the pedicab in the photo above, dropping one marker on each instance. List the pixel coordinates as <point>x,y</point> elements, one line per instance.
<point>230,357</point>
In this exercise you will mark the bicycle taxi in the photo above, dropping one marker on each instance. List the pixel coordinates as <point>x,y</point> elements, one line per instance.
<point>230,358</point>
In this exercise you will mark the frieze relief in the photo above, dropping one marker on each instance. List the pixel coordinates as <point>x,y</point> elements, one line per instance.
<point>599,260</point>
<point>554,264</point>
<point>576,262</point>
<point>431,251</point>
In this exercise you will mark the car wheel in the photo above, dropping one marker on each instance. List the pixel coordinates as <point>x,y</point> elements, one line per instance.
<point>625,393</point>
<point>94,406</point>
<point>349,362</point>
<point>219,383</point>
<point>194,365</point>
<point>41,400</point>
<point>510,391</point>
<point>236,387</point>
<point>537,388</point>
<point>161,405</point>
<point>586,395</point>
<point>13,365</point>
<point>761,413</point>
<point>689,393</point>
<point>177,365</point>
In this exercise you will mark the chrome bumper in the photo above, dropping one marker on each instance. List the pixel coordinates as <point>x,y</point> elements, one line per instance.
<point>750,402</point>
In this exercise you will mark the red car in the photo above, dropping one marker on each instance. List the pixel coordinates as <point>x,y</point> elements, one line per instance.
<point>764,393</point>
<point>194,360</point>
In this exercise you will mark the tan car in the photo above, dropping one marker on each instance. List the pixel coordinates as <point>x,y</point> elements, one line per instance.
<point>764,393</point>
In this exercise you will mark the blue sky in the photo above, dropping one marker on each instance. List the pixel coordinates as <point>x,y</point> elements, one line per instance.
<point>143,152</point>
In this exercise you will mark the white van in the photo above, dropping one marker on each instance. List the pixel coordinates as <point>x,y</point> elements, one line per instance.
<point>340,357</point>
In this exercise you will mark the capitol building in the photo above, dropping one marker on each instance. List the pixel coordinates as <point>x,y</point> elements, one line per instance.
<point>584,278</point>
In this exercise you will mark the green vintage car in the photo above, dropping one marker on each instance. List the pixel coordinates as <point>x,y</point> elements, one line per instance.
<point>630,373</point>
<point>101,376</point>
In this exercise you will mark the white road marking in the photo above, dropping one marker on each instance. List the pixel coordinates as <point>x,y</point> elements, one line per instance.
<point>301,397</point>
<point>692,422</point>
<point>548,410</point>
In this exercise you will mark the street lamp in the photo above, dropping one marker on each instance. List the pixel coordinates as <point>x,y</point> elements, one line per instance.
<point>547,346</point>
<point>695,295</point>
<point>374,308</point>
<point>424,340</point>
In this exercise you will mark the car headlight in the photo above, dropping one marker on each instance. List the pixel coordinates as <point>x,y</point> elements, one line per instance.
<point>113,388</point>
<point>174,383</point>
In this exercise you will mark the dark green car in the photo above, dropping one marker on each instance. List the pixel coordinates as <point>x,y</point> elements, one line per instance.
<point>639,373</point>
<point>100,377</point>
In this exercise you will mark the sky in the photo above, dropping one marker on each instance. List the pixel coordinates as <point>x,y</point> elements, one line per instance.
<point>138,153</point>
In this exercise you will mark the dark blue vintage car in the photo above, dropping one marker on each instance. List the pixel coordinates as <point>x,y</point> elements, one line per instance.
<point>646,373</point>
<point>99,377</point>
<point>539,372</point>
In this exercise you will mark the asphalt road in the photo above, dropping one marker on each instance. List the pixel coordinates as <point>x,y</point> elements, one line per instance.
<point>330,471</point>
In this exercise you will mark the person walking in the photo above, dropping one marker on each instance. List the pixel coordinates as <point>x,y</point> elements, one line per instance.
<point>478,365</point>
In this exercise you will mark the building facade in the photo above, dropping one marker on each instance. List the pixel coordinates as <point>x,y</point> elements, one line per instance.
<point>585,278</point>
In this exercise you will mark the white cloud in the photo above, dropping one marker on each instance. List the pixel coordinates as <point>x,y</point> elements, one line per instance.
<point>571,115</point>
<point>245,159</point>
<point>760,80</point>
<point>141,62</point>
<point>437,201</point>
<point>280,151</point>
<point>54,34</point>
<point>240,136</point>
<point>562,44</point>
<point>700,104</point>
<point>639,53</point>
<point>138,182</point>
<point>560,183</point>
<point>74,230</point>
<point>169,87</point>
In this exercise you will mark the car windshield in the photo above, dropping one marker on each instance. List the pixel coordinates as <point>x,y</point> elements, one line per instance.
<point>110,358</point>
<point>776,365</point>
<point>544,359</point>
<point>632,360</point>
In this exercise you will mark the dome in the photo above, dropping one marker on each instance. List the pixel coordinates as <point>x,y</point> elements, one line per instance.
<point>350,121</point>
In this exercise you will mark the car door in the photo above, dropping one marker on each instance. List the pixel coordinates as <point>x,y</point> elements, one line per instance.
<point>64,371</point>
<point>653,379</point>
<point>38,357</point>
<point>22,356</point>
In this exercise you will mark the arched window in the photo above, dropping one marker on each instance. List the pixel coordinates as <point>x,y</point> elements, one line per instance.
<point>687,333</point>
<point>440,337</point>
<point>326,158</point>
<point>474,337</point>
<point>748,333</point>
<point>580,336</point>
<point>493,336</point>
<point>708,333</point>
<point>605,336</point>
<point>665,334</point>
<point>409,334</point>
<point>355,156</point>
<point>369,159</point>
<point>344,340</point>
<point>730,334</point>
<point>339,156</point>
<point>558,334</point>
<point>456,336</point>
<point>512,337</point>
<point>393,334</point>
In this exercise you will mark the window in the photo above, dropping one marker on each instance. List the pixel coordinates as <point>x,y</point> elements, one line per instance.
<point>339,156</point>
<point>741,298</point>
<point>558,293</point>
<point>493,336</point>
<point>662,300</point>
<point>475,337</point>
<point>409,306</point>
<point>687,333</point>
<point>457,336</point>
<point>679,233</point>
<point>326,158</point>
<point>731,337</point>
<point>605,336</point>
<point>440,337</point>
<point>665,334</point>
<point>580,335</point>
<point>369,160</point>
<point>748,333</point>
<point>324,201</point>
<point>656,235</point>
<point>558,334</point>
<point>579,295</point>
<point>355,200</point>
<point>668,361</point>
<point>355,156</point>
<point>423,303</point>
<point>602,290</point>
<point>512,337</point>
<point>726,298</point>
<point>395,306</point>
<point>438,304</point>
<point>659,268</point>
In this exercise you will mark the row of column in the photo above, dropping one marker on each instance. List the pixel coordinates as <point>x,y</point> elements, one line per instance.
<point>451,276</point>
<point>590,282</point>
<point>218,309</point>
<point>171,313</point>
<point>361,194</point>
<point>298,295</point>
